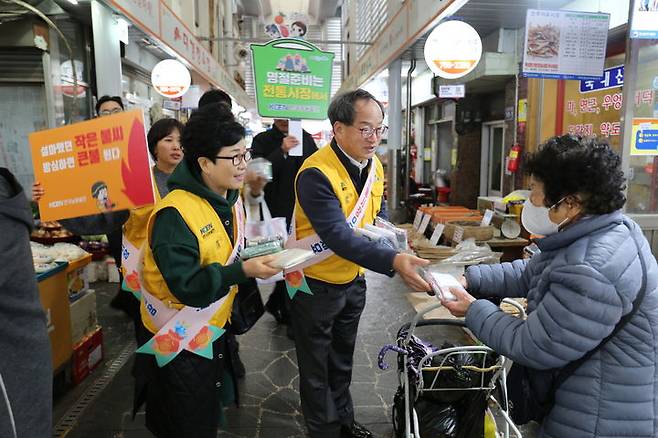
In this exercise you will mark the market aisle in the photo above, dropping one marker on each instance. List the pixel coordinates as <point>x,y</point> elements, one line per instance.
<point>270,400</point>
<point>269,392</point>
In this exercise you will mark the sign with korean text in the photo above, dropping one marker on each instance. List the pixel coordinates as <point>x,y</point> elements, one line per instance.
<point>452,91</point>
<point>595,112</point>
<point>143,12</point>
<point>645,20</point>
<point>453,49</point>
<point>644,138</point>
<point>522,114</point>
<point>612,78</point>
<point>292,79</point>
<point>565,44</point>
<point>177,36</point>
<point>93,167</point>
<point>170,78</point>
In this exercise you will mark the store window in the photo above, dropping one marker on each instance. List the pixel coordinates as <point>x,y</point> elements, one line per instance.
<point>642,174</point>
<point>73,104</point>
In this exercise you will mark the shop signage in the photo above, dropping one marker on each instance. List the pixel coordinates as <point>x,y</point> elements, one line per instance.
<point>612,78</point>
<point>292,79</point>
<point>645,20</point>
<point>509,113</point>
<point>177,36</point>
<point>452,91</point>
<point>565,44</point>
<point>173,105</point>
<point>170,78</point>
<point>644,137</point>
<point>453,49</point>
<point>522,115</point>
<point>158,20</point>
<point>93,167</point>
<point>410,21</point>
<point>143,12</point>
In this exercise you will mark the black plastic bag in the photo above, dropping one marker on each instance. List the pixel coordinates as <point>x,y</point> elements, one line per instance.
<point>455,378</point>
<point>436,420</point>
<point>470,413</point>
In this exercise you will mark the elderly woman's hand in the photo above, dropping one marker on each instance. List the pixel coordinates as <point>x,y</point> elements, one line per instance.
<point>460,305</point>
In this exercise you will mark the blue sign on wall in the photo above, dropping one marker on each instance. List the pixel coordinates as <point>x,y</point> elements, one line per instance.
<point>612,77</point>
<point>647,140</point>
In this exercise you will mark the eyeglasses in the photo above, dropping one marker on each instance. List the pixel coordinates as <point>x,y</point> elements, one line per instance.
<point>237,159</point>
<point>110,112</point>
<point>368,132</point>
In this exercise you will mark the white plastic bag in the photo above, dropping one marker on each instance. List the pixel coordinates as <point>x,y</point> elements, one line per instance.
<point>265,226</point>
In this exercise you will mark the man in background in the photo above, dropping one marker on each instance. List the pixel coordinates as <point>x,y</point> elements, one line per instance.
<point>275,145</point>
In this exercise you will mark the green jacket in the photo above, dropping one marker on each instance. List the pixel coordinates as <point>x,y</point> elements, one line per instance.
<point>176,250</point>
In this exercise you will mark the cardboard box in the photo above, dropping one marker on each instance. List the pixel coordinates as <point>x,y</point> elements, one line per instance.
<point>75,275</point>
<point>55,302</point>
<point>494,203</point>
<point>87,355</point>
<point>84,318</point>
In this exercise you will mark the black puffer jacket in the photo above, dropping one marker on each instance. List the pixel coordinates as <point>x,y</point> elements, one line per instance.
<point>25,360</point>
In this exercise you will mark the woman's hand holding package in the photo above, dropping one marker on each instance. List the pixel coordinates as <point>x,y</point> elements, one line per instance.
<point>460,305</point>
<point>259,267</point>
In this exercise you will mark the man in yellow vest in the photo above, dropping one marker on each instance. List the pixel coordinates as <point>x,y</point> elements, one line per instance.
<point>339,188</point>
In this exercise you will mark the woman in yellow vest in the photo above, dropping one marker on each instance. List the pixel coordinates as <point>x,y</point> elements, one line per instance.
<point>190,275</point>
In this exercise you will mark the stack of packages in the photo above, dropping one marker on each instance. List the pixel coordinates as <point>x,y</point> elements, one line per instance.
<point>386,233</point>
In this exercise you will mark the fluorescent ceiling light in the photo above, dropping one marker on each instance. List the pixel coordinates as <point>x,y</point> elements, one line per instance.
<point>73,2</point>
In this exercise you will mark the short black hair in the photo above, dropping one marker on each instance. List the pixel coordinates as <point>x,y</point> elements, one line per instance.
<point>160,130</point>
<point>570,165</point>
<point>341,108</point>
<point>215,96</point>
<point>209,129</point>
<point>107,98</point>
<point>97,187</point>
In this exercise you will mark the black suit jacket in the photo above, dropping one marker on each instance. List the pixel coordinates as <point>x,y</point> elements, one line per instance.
<point>280,193</point>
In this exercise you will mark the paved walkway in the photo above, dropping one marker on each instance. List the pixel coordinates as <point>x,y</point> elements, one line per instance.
<point>269,392</point>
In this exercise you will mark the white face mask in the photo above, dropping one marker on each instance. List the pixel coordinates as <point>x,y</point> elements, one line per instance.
<point>536,219</point>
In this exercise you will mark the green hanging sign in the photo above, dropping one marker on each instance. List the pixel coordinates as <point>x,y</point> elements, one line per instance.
<point>292,79</point>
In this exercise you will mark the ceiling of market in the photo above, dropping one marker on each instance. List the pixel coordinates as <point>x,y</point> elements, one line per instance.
<point>316,10</point>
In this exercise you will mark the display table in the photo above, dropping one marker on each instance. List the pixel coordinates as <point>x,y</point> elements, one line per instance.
<point>512,249</point>
<point>54,295</point>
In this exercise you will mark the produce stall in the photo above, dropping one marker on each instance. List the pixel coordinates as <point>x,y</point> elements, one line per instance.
<point>69,304</point>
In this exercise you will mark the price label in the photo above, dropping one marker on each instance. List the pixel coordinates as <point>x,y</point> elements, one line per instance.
<point>458,235</point>
<point>486,220</point>
<point>436,235</point>
<point>424,223</point>
<point>417,219</point>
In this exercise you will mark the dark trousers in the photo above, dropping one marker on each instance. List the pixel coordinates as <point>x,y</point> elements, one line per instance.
<point>325,325</point>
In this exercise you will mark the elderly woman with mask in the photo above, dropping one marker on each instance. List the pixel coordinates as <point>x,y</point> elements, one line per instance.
<point>592,299</point>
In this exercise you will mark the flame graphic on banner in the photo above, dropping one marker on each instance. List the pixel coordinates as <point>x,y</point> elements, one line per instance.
<point>136,185</point>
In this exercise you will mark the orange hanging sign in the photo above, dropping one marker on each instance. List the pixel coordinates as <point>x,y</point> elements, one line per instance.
<point>92,167</point>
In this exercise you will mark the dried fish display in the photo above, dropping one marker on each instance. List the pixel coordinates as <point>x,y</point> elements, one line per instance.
<point>543,41</point>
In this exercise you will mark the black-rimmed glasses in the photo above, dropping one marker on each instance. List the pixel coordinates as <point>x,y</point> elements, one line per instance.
<point>237,159</point>
<point>368,132</point>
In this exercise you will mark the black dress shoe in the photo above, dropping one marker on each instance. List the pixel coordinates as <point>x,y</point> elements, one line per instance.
<point>355,431</point>
<point>274,311</point>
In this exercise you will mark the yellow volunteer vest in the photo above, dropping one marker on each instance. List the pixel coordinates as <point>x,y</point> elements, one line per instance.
<point>335,269</point>
<point>214,247</point>
<point>135,228</point>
